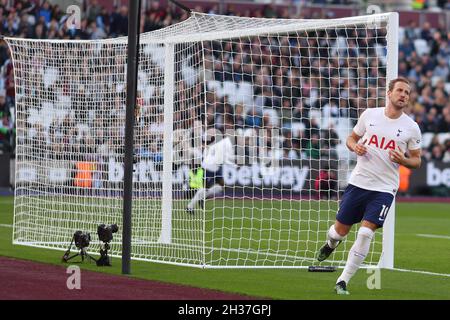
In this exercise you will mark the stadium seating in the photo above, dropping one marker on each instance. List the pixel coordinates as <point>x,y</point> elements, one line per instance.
<point>237,93</point>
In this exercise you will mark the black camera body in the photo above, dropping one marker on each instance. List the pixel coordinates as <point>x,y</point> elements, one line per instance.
<point>81,239</point>
<point>105,232</point>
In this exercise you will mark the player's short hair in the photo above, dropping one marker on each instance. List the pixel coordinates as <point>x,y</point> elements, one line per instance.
<point>394,81</point>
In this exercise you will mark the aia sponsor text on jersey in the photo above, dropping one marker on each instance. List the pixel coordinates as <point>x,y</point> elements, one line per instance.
<point>381,143</point>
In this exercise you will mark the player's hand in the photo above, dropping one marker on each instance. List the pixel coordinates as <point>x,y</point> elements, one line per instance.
<point>359,149</point>
<point>397,156</point>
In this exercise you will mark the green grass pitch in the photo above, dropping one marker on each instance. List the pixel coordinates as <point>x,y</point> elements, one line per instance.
<point>422,242</point>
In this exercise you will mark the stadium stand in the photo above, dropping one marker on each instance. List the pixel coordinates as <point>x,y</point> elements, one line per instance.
<point>424,56</point>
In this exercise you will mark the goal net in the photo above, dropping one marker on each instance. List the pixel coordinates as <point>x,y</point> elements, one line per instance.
<point>286,93</point>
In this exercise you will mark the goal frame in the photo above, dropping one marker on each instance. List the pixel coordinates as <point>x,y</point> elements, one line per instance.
<point>387,255</point>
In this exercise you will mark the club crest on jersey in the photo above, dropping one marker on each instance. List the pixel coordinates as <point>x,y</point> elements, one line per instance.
<point>382,143</point>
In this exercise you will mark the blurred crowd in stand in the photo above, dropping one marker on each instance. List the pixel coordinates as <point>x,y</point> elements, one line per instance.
<point>286,98</point>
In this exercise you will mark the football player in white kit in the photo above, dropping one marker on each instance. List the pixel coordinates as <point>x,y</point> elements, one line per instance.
<point>381,138</point>
<point>220,151</point>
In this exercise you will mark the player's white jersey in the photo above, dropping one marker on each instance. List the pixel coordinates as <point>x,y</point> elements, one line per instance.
<point>218,154</point>
<point>374,170</point>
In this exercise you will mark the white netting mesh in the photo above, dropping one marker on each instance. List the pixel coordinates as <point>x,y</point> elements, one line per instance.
<point>286,92</point>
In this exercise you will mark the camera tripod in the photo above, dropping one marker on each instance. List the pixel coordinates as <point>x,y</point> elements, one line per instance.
<point>66,257</point>
<point>104,258</point>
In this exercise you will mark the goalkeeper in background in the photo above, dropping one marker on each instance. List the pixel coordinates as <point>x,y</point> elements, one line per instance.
<point>218,151</point>
<point>380,139</point>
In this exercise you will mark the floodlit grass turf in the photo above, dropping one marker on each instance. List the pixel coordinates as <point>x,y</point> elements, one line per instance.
<point>411,252</point>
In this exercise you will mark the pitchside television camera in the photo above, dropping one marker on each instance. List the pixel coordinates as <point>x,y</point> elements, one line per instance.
<point>83,239</point>
<point>104,233</point>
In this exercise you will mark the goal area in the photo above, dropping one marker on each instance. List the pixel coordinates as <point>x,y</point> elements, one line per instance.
<point>286,92</point>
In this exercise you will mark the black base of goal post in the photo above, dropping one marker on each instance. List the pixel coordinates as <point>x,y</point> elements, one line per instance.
<point>132,65</point>
<point>321,269</point>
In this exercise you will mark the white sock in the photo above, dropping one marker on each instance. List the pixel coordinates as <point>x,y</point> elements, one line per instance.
<point>199,195</point>
<point>357,254</point>
<point>213,190</point>
<point>333,237</point>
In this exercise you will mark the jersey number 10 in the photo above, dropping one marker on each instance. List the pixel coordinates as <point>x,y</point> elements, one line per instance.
<point>383,213</point>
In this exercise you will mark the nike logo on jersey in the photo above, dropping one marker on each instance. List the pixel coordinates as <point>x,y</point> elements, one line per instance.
<point>381,143</point>
<point>371,125</point>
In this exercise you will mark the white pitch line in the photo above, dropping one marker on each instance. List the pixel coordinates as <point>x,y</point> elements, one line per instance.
<point>423,272</point>
<point>6,225</point>
<point>433,236</point>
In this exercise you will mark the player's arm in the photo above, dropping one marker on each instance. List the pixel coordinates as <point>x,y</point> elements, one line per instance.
<point>228,152</point>
<point>357,133</point>
<point>413,161</point>
<point>354,145</point>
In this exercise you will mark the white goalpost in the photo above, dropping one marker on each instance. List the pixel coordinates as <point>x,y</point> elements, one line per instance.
<point>285,92</point>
